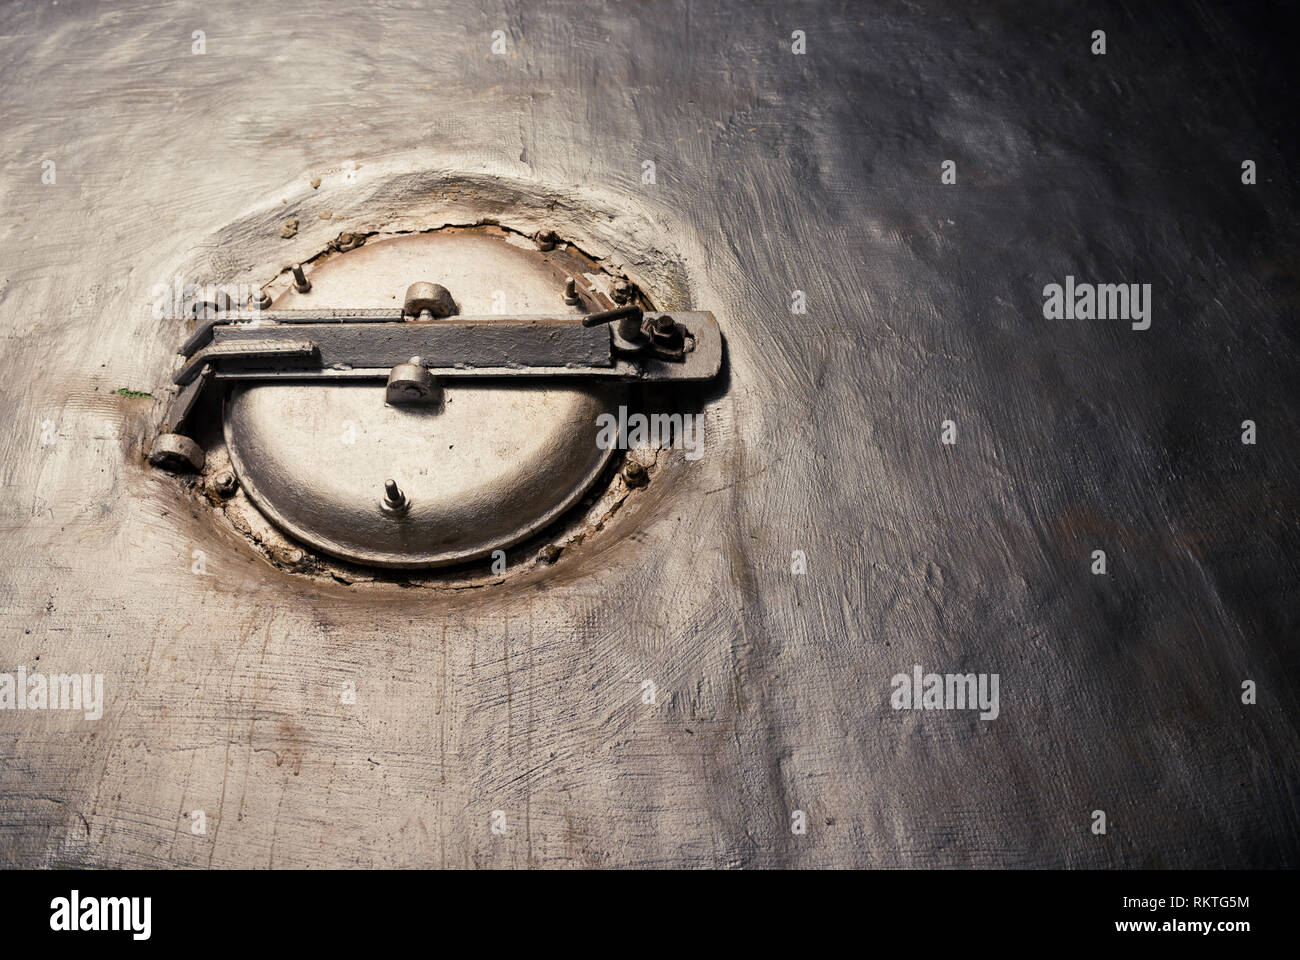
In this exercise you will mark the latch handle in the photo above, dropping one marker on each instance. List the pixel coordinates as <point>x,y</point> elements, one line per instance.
<point>629,337</point>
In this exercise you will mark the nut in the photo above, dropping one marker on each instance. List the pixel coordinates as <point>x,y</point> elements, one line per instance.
<point>666,333</point>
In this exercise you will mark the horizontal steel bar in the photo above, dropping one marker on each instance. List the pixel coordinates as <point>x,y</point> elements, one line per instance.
<point>254,351</point>
<point>540,342</point>
<point>620,370</point>
<point>245,352</point>
<point>202,334</point>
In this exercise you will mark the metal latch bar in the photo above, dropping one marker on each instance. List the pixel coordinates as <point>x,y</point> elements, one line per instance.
<point>488,342</point>
<point>245,351</point>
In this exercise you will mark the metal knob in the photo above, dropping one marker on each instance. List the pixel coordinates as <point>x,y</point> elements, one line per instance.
<point>426,301</point>
<point>411,382</point>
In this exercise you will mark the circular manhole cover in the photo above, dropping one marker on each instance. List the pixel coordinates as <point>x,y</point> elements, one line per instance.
<point>494,463</point>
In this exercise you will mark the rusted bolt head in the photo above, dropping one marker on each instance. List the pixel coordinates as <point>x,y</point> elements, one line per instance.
<point>635,474</point>
<point>546,239</point>
<point>224,484</point>
<point>622,291</point>
<point>286,555</point>
<point>665,332</point>
<point>433,297</point>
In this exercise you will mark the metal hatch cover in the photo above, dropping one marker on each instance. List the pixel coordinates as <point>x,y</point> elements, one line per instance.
<point>492,464</point>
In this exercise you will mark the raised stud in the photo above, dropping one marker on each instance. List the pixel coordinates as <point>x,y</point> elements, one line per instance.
<point>394,502</point>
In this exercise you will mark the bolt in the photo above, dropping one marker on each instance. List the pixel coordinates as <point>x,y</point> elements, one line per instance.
<point>262,301</point>
<point>393,497</point>
<point>224,483</point>
<point>300,281</point>
<point>571,291</point>
<point>546,239</point>
<point>666,333</point>
<point>622,291</point>
<point>635,474</point>
<point>288,556</point>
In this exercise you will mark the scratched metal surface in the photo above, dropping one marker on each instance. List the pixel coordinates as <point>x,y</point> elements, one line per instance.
<point>775,172</point>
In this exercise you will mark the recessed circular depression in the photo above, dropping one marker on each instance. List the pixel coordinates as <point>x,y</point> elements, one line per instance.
<point>493,464</point>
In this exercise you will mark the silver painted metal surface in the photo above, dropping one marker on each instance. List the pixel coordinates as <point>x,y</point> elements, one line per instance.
<point>226,675</point>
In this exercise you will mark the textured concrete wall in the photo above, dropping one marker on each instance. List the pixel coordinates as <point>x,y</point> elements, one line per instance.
<point>775,172</point>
